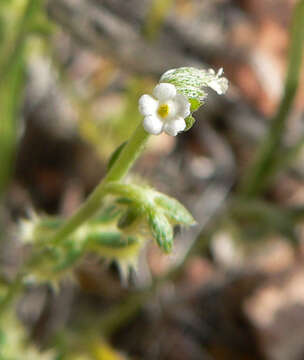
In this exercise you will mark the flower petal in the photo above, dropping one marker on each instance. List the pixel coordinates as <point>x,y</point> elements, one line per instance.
<point>220,72</point>
<point>147,105</point>
<point>164,91</point>
<point>153,125</point>
<point>175,126</point>
<point>183,105</point>
<point>220,85</point>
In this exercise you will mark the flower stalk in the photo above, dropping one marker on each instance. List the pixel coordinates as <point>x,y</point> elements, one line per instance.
<point>121,166</point>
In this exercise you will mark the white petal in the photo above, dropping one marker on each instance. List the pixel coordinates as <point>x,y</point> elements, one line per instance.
<point>219,85</point>
<point>147,105</point>
<point>175,126</point>
<point>220,72</point>
<point>153,125</point>
<point>183,105</point>
<point>164,91</point>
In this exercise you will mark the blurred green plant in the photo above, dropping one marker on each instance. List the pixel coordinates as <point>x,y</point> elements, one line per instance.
<point>258,218</point>
<point>18,19</point>
<point>156,16</point>
<point>268,156</point>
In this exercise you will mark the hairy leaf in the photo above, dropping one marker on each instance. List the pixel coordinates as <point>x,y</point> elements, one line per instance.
<point>161,230</point>
<point>174,210</point>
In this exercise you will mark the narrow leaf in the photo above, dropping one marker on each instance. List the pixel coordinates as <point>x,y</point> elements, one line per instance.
<point>115,155</point>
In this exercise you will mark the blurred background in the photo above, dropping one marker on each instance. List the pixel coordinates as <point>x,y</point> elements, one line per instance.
<point>71,73</point>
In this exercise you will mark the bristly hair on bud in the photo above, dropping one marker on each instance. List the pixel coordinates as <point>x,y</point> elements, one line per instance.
<point>192,83</point>
<point>154,211</point>
<point>179,93</point>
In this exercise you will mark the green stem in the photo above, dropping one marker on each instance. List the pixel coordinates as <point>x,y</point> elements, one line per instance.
<point>285,157</point>
<point>255,179</point>
<point>119,169</point>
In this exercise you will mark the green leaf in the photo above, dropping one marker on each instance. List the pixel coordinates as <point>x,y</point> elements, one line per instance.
<point>128,218</point>
<point>115,155</point>
<point>174,210</point>
<point>189,122</point>
<point>161,230</point>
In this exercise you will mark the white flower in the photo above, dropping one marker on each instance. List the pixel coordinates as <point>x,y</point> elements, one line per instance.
<point>165,111</point>
<point>216,82</point>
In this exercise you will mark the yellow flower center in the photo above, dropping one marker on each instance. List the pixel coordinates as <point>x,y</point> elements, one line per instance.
<point>163,110</point>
